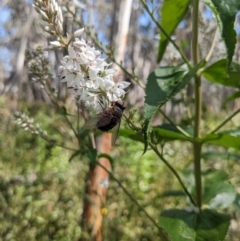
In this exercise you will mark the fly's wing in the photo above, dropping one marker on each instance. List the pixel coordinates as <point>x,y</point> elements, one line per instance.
<point>92,123</point>
<point>102,119</point>
<point>115,133</point>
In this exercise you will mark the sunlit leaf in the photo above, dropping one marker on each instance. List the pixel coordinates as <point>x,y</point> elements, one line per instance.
<point>225,11</point>
<point>163,84</point>
<point>217,73</point>
<point>182,225</point>
<point>172,13</point>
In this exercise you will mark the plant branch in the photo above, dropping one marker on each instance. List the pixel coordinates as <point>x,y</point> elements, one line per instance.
<point>198,105</point>
<point>63,146</point>
<point>176,126</point>
<point>165,33</point>
<point>174,172</point>
<point>56,143</point>
<point>225,121</point>
<point>133,199</point>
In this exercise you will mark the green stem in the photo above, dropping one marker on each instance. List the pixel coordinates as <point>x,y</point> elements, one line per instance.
<point>174,173</point>
<point>198,106</point>
<point>165,33</point>
<point>133,199</point>
<point>225,121</point>
<point>176,126</point>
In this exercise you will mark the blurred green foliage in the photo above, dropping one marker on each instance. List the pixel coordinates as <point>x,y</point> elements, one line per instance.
<point>41,193</point>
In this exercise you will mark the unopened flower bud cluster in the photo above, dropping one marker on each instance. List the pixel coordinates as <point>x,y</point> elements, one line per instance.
<point>38,65</point>
<point>90,76</point>
<point>27,124</point>
<point>51,13</point>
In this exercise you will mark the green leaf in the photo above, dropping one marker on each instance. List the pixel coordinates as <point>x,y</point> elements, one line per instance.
<point>172,13</point>
<point>218,192</point>
<point>217,73</point>
<point>157,91</point>
<point>227,139</point>
<point>207,225</point>
<point>168,132</point>
<point>163,84</point>
<point>226,11</point>
<point>131,134</point>
<point>222,156</point>
<point>160,85</point>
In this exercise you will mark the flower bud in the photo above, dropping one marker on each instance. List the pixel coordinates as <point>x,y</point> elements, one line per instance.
<point>55,43</point>
<point>78,32</point>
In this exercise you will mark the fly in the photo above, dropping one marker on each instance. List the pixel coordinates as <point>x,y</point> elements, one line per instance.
<point>108,119</point>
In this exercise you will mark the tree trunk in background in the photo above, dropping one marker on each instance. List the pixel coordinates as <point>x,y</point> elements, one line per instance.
<point>96,184</point>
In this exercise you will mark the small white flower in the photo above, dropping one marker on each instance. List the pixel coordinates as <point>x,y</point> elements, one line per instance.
<point>72,53</point>
<point>79,43</point>
<point>123,84</point>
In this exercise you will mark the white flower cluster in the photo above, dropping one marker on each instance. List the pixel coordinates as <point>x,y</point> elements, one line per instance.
<point>90,76</point>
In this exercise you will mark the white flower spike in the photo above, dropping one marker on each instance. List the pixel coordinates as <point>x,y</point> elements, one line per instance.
<point>89,75</point>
